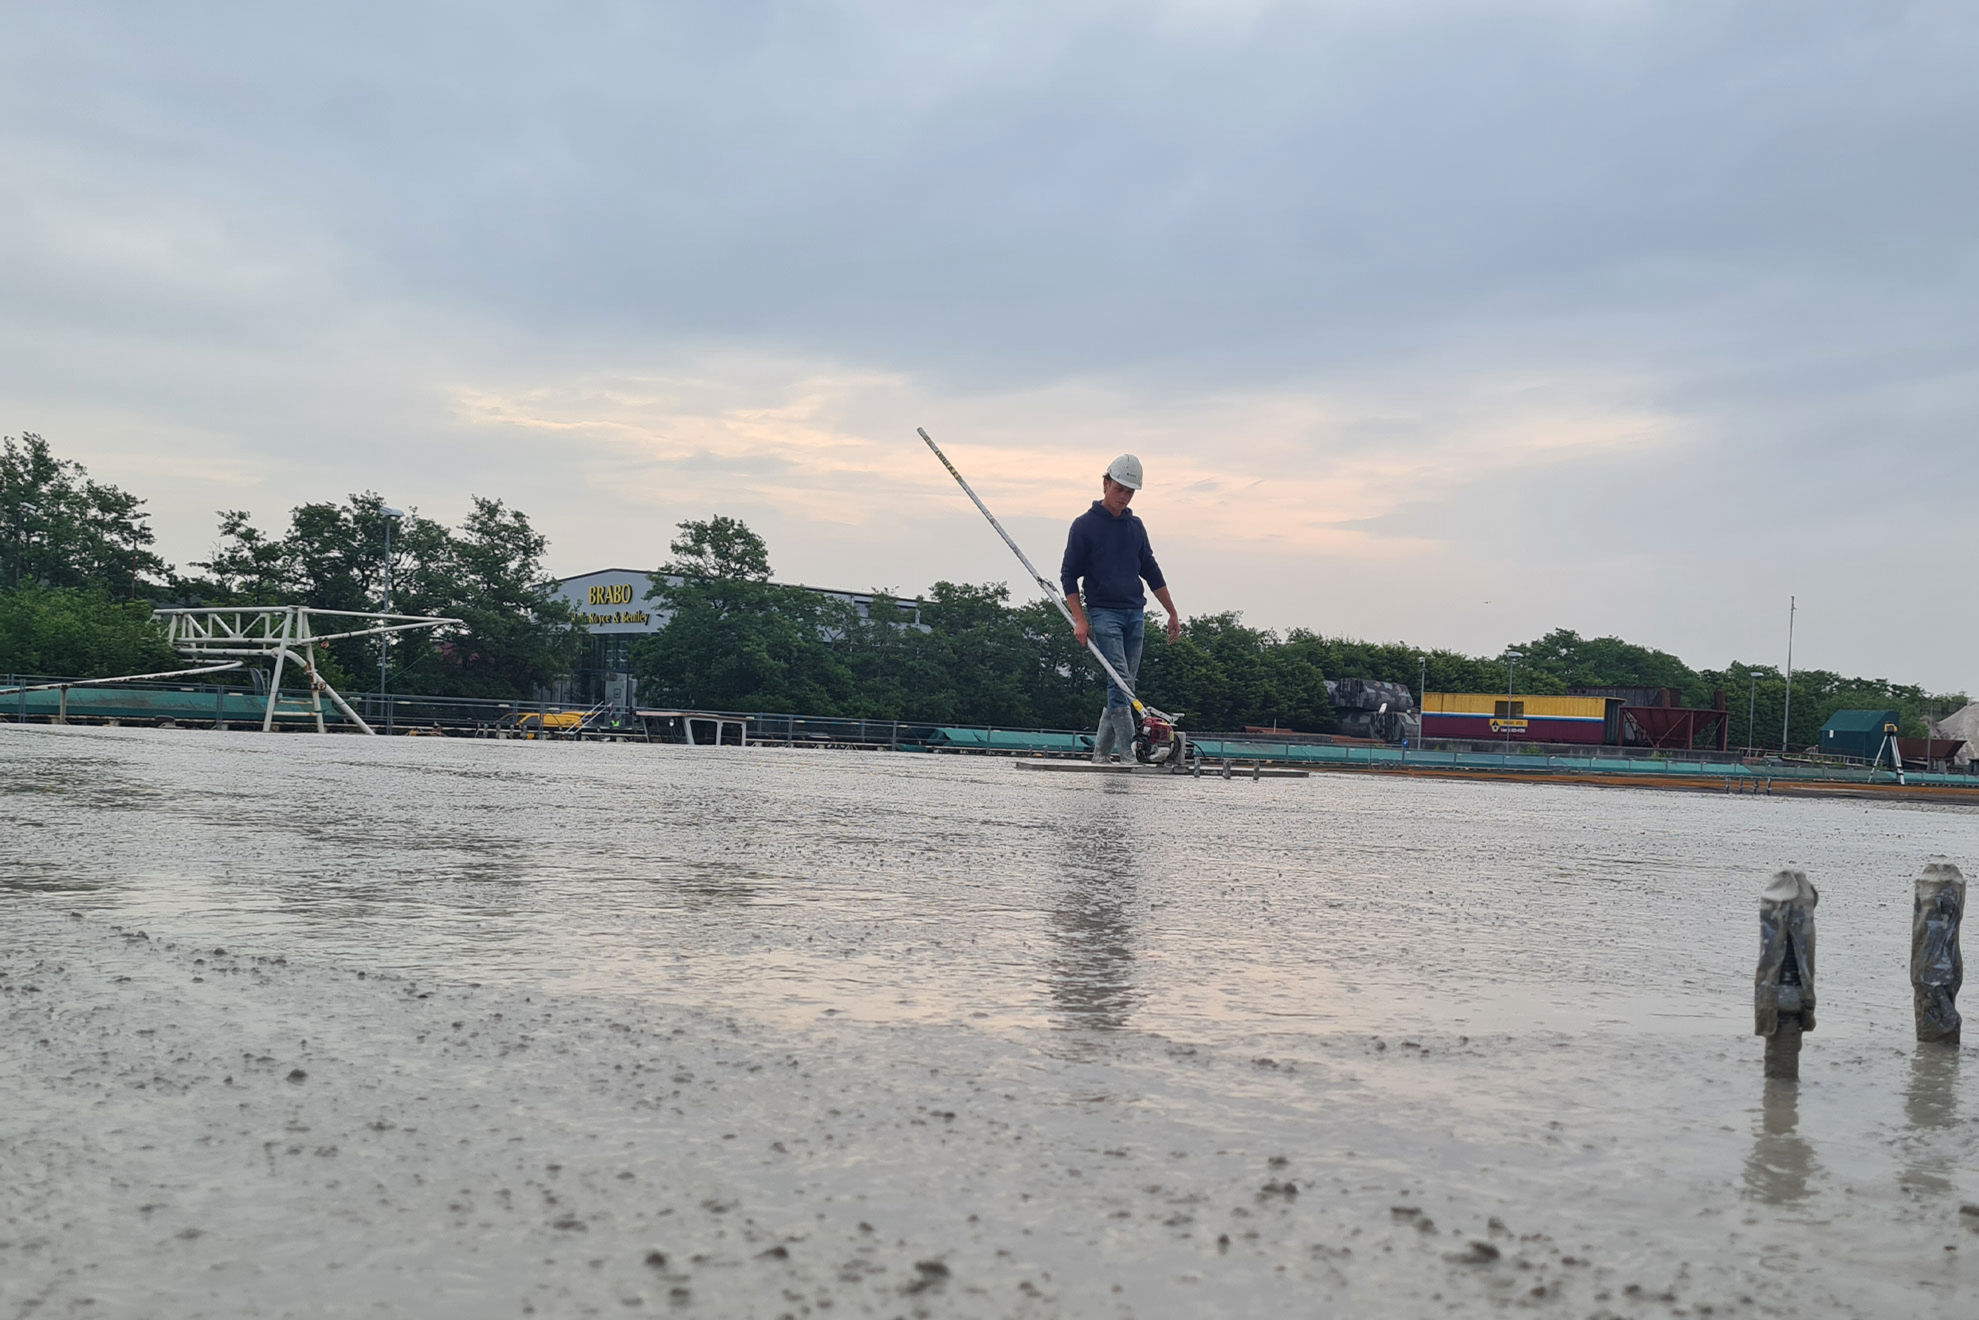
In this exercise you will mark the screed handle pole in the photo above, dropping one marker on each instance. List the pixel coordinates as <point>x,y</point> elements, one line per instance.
<point>1049,588</point>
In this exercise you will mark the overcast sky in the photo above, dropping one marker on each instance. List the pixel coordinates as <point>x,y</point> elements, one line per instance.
<point>1447,321</point>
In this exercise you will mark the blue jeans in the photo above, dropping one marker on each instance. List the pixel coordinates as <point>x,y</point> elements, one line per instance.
<point>1118,634</point>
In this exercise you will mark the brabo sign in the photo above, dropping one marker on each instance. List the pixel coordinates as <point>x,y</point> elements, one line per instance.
<point>617,593</point>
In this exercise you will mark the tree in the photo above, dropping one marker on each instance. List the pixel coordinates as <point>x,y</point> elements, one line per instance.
<point>247,568</point>
<point>514,636</point>
<point>975,664</point>
<point>1563,659</point>
<point>1224,675</point>
<point>58,528</point>
<point>1066,688</point>
<point>734,640</point>
<point>332,557</point>
<point>719,549</point>
<point>71,632</point>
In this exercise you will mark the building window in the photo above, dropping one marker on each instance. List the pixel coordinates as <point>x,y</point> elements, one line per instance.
<point>1509,710</point>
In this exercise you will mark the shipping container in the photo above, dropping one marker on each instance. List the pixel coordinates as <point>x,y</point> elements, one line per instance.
<point>1485,716</point>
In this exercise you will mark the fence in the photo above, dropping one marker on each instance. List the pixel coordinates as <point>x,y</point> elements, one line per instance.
<point>220,705</point>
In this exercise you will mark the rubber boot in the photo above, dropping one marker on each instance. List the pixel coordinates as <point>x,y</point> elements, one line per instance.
<point>1103,740</point>
<point>1122,719</point>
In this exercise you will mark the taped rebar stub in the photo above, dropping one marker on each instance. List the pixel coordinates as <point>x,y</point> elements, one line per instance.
<point>1789,885</point>
<point>1936,968</point>
<point>1783,983</point>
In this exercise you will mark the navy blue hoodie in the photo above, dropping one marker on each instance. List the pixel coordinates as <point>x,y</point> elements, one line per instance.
<point>1112,555</point>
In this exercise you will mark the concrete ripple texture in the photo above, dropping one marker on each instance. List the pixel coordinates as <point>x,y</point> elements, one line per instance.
<point>308,1027</point>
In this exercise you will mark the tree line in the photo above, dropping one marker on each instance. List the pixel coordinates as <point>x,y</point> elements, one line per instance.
<point>739,641</point>
<point>79,577</point>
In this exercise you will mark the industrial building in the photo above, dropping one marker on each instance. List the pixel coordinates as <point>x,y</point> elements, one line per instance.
<point>612,606</point>
<point>1857,733</point>
<point>1656,717</point>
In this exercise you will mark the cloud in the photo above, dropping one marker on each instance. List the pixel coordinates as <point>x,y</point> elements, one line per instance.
<point>1621,316</point>
<point>1293,473</point>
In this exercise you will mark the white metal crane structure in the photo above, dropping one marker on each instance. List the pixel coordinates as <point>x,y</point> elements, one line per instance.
<point>281,633</point>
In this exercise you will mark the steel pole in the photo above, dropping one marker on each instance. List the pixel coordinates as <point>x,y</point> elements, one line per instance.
<point>1511,661</point>
<point>1422,698</point>
<point>1786,712</point>
<point>384,639</point>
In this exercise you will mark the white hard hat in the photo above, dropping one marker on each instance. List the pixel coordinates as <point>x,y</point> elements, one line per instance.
<point>1126,470</point>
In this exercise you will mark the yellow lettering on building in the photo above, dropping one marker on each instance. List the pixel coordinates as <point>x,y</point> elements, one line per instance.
<point>615,593</point>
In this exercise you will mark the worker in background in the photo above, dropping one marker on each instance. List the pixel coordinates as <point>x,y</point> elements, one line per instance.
<point>1108,549</point>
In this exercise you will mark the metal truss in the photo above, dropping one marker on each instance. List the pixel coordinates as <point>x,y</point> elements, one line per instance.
<point>281,633</point>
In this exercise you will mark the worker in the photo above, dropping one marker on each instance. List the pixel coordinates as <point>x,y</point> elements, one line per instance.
<point>1108,549</point>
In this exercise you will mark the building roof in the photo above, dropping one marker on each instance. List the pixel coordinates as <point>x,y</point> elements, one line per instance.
<point>654,573</point>
<point>1962,723</point>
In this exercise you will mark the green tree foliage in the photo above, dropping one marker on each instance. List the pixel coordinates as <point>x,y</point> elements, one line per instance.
<point>72,632</point>
<point>74,553</point>
<point>247,568</point>
<point>1756,697</point>
<point>1224,675</point>
<point>719,549</point>
<point>1562,660</point>
<point>513,637</point>
<point>58,528</point>
<point>736,640</point>
<point>1398,662</point>
<point>332,557</point>
<point>971,661</point>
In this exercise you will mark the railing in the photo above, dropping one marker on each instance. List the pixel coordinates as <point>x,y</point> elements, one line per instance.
<point>218,705</point>
<point>212,704</point>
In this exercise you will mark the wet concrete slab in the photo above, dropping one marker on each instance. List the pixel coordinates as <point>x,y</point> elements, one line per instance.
<point>319,1027</point>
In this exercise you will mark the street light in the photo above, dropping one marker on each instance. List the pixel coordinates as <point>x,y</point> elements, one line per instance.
<point>391,516</point>
<point>1511,658</point>
<point>1786,711</point>
<point>1422,695</point>
<point>1751,709</point>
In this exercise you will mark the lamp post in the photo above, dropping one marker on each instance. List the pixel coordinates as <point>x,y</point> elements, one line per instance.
<point>391,516</point>
<point>1786,712</point>
<point>1422,695</point>
<point>1751,711</point>
<point>1511,659</point>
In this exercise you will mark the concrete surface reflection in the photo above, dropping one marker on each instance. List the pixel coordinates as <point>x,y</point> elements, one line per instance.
<point>1781,1168</point>
<point>1930,1104</point>
<point>1091,969</point>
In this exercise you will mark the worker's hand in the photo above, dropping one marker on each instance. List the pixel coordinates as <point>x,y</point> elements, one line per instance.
<point>1081,629</point>
<point>1174,627</point>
